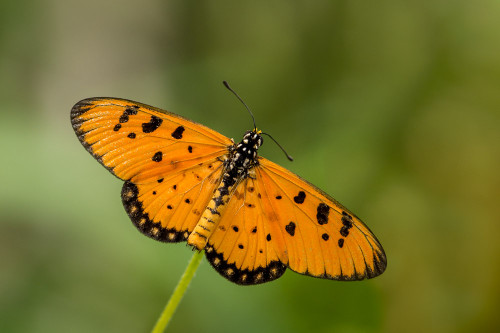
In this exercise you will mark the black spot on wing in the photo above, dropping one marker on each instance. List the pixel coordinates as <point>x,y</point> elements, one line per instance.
<point>346,224</point>
<point>177,134</point>
<point>290,228</point>
<point>131,135</point>
<point>322,213</point>
<point>131,110</point>
<point>123,118</point>
<point>117,127</point>
<point>157,157</point>
<point>299,198</point>
<point>341,242</point>
<point>346,220</point>
<point>152,125</point>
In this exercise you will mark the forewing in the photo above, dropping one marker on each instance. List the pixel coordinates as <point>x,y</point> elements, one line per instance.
<point>140,143</point>
<point>316,235</point>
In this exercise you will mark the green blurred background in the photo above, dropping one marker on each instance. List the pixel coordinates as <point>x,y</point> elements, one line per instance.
<point>392,107</point>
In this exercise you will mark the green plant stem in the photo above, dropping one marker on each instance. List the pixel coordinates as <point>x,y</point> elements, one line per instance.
<point>179,291</point>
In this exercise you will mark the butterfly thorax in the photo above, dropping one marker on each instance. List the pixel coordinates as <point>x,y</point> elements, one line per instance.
<point>240,160</point>
<point>242,157</point>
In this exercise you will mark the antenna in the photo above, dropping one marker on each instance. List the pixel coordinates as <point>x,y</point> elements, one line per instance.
<point>241,100</point>
<point>290,158</point>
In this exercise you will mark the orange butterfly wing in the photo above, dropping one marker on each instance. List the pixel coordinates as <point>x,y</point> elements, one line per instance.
<point>171,165</point>
<point>320,237</point>
<point>276,220</point>
<point>240,248</point>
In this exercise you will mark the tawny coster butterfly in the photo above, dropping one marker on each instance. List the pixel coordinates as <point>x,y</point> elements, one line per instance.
<point>253,218</point>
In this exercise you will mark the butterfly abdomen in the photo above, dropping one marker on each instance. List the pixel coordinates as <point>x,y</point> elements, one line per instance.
<point>241,159</point>
<point>210,218</point>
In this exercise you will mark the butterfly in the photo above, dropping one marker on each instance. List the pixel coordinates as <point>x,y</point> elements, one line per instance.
<point>252,217</point>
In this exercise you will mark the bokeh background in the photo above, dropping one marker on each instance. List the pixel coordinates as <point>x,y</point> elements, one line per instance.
<point>392,107</point>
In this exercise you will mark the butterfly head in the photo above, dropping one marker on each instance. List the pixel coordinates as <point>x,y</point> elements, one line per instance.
<point>246,150</point>
<point>253,139</point>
